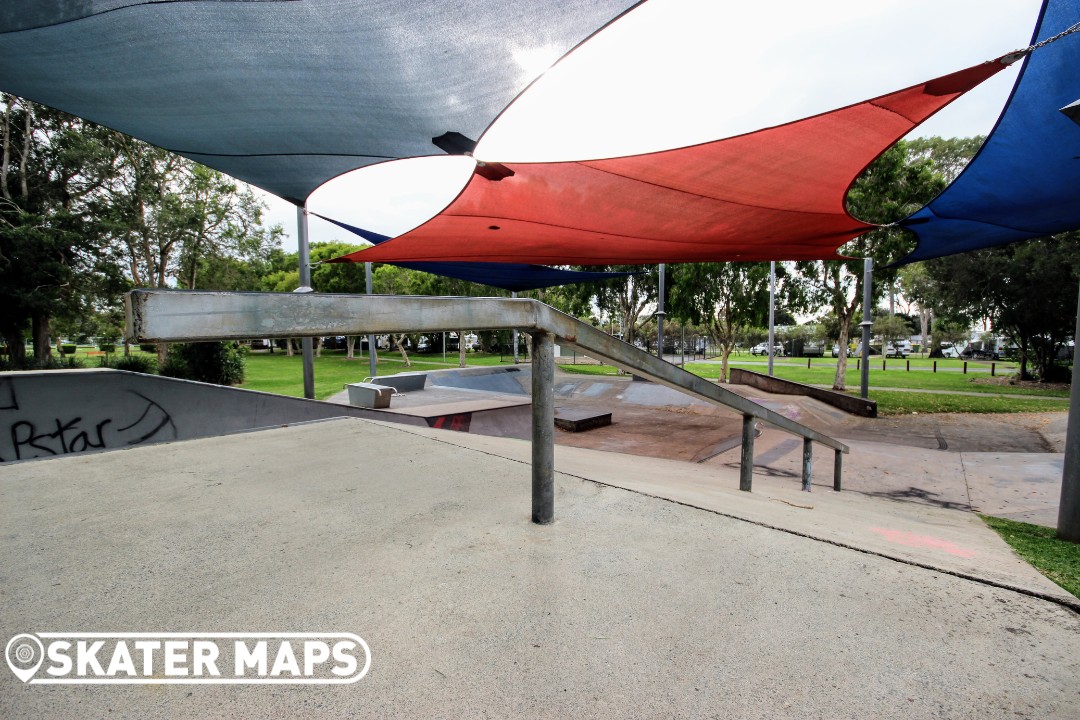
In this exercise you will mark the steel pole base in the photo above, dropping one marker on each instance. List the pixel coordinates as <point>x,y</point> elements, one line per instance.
<point>543,428</point>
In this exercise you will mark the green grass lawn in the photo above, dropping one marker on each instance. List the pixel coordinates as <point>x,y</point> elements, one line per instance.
<point>896,402</point>
<point>906,403</point>
<point>892,377</point>
<point>1057,559</point>
<point>278,373</point>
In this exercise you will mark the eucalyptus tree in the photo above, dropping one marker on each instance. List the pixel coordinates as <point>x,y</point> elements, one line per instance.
<point>726,298</point>
<point>52,259</point>
<point>891,188</point>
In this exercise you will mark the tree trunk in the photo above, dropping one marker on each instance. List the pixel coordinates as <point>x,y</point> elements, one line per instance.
<point>40,329</point>
<point>350,347</point>
<point>162,351</point>
<point>461,348</point>
<point>5,160</point>
<point>725,353</point>
<point>288,347</point>
<point>16,347</point>
<point>840,380</point>
<point>401,348</point>
<point>318,347</point>
<point>925,317</point>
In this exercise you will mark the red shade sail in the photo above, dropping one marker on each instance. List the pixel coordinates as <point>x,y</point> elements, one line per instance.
<point>775,194</point>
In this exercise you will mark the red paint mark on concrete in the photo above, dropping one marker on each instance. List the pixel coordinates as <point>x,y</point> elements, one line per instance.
<point>910,539</point>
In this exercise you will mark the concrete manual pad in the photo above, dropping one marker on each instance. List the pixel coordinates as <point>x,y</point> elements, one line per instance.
<point>1017,486</point>
<point>627,606</point>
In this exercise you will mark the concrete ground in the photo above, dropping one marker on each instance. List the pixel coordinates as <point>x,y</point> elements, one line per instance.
<point>1005,465</point>
<point>659,591</point>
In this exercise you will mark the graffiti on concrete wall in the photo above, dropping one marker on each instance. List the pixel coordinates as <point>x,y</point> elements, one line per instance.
<point>28,432</point>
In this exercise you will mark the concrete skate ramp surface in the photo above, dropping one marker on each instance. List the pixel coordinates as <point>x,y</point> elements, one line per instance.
<point>627,606</point>
<point>512,380</point>
<point>60,412</point>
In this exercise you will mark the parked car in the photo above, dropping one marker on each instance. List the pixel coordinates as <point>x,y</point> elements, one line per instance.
<point>897,351</point>
<point>836,351</point>
<point>813,350</point>
<point>950,351</point>
<point>763,349</point>
<point>974,353</point>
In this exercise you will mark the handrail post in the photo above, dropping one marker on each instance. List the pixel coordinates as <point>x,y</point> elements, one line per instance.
<point>807,462</point>
<point>746,459</point>
<point>838,466</point>
<point>543,428</point>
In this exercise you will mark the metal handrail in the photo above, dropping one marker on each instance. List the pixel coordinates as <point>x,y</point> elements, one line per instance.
<point>178,315</point>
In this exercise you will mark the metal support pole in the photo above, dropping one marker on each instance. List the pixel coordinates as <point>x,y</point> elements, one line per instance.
<point>772,311</point>
<point>1069,509</point>
<point>837,469</point>
<point>306,347</point>
<point>460,340</point>
<point>514,335</point>
<point>807,462</point>
<point>543,428</point>
<point>660,314</point>
<point>746,457</point>
<point>866,324</point>
<point>372,358</point>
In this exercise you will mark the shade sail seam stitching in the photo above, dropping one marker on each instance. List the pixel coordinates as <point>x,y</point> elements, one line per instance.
<point>960,218</point>
<point>712,197</point>
<point>899,114</point>
<point>568,227</point>
<point>862,229</point>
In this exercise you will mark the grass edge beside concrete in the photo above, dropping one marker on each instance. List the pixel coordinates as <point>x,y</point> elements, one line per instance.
<point>1057,559</point>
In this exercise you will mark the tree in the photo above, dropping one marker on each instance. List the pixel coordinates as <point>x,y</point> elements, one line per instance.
<point>916,286</point>
<point>337,277</point>
<point>725,297</point>
<point>81,207</point>
<point>891,329</point>
<point>394,280</point>
<point>1027,289</point>
<point>893,187</point>
<point>170,218</point>
<point>950,332</point>
<point>51,251</point>
<point>949,156</point>
<point>626,298</point>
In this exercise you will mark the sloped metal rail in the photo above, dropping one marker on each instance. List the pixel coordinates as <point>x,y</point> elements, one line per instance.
<point>177,316</point>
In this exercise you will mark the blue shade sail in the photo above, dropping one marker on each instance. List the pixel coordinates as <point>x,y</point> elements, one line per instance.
<point>515,277</point>
<point>1025,180</point>
<point>287,94</point>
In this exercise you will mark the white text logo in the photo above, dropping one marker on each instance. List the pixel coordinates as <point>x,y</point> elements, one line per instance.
<point>188,658</point>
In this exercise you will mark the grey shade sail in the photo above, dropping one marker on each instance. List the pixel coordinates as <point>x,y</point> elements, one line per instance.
<point>287,94</point>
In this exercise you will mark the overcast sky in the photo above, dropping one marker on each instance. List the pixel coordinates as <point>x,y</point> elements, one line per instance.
<point>678,72</point>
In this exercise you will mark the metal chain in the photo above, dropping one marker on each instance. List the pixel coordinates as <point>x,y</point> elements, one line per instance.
<point>1017,54</point>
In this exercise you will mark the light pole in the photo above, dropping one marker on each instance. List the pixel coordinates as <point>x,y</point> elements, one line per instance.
<point>372,360</point>
<point>660,316</point>
<point>866,324</point>
<point>772,311</point>
<point>514,335</point>
<point>1068,526</point>
<point>306,349</point>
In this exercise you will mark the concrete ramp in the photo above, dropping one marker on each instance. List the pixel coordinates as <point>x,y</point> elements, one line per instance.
<point>62,412</point>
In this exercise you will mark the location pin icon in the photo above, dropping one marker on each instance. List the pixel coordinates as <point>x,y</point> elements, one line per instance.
<point>24,654</point>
